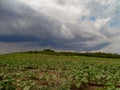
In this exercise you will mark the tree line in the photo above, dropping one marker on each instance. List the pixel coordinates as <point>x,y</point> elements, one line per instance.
<point>88,54</point>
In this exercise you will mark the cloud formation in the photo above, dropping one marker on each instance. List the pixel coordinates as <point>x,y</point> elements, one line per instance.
<point>75,25</point>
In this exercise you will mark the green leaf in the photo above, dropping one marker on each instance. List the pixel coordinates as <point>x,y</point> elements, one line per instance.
<point>77,77</point>
<point>84,80</point>
<point>27,88</point>
<point>117,88</point>
<point>78,85</point>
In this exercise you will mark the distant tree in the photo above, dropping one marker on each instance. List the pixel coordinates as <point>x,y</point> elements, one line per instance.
<point>48,50</point>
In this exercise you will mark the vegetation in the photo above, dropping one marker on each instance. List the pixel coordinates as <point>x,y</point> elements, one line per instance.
<point>25,71</point>
<point>88,54</point>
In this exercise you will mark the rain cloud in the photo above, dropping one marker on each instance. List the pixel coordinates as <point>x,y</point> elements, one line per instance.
<point>73,25</point>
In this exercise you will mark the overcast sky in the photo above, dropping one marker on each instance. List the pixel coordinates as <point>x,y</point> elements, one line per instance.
<point>74,25</point>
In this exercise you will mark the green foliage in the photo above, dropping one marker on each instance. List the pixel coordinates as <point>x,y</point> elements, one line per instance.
<point>7,85</point>
<point>25,71</point>
<point>88,54</point>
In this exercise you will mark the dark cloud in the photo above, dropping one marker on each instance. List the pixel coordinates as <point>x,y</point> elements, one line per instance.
<point>27,21</point>
<point>18,38</point>
<point>20,23</point>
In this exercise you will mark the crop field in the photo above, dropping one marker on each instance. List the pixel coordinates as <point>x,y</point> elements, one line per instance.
<point>22,71</point>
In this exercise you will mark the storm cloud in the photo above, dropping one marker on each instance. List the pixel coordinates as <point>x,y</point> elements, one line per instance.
<point>73,25</point>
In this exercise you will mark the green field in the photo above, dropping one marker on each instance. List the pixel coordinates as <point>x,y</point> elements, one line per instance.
<point>25,71</point>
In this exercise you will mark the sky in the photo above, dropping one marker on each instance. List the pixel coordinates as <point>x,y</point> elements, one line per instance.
<point>70,25</point>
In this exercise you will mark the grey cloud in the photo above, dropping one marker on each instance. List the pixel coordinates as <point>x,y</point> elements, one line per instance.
<point>28,25</point>
<point>99,10</point>
<point>61,2</point>
<point>29,22</point>
<point>18,38</point>
<point>81,33</point>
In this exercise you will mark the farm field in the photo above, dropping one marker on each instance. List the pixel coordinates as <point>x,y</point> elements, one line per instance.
<point>24,71</point>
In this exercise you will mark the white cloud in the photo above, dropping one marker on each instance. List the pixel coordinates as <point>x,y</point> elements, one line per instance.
<point>99,23</point>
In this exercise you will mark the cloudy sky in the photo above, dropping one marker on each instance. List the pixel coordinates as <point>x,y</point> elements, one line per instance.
<point>74,25</point>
